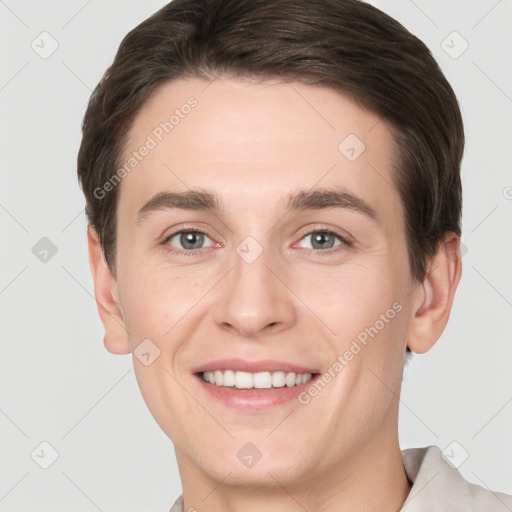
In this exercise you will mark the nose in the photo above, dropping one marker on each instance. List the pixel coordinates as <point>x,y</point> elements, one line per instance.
<point>254,298</point>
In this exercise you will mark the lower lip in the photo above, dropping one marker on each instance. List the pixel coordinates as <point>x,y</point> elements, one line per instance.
<point>254,399</point>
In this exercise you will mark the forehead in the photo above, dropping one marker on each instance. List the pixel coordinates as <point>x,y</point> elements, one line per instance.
<point>254,142</point>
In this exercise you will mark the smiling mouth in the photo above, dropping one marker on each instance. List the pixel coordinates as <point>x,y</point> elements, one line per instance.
<point>255,381</point>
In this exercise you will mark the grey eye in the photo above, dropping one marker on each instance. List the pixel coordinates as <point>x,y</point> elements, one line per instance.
<point>189,240</point>
<point>322,240</point>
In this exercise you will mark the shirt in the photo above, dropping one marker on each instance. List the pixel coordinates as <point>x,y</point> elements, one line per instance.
<point>436,487</point>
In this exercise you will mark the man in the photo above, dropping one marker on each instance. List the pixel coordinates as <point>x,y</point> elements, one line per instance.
<point>274,197</point>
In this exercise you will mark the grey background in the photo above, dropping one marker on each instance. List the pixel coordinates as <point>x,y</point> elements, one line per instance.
<point>59,385</point>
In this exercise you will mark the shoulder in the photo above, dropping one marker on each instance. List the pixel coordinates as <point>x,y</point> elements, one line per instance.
<point>178,504</point>
<point>438,486</point>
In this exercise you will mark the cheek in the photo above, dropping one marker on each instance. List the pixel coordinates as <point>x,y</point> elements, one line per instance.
<point>364,309</point>
<point>154,300</point>
<point>350,296</point>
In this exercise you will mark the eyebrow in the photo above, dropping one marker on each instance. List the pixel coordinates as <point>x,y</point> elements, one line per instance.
<point>303,200</point>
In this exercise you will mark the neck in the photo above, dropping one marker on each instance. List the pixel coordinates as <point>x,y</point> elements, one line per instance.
<point>370,478</point>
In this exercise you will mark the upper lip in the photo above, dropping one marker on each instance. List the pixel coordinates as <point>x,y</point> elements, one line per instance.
<point>244,365</point>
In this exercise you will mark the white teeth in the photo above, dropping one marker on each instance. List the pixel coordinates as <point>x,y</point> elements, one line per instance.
<point>218,377</point>
<point>260,380</point>
<point>278,380</point>
<point>228,378</point>
<point>290,379</point>
<point>243,380</point>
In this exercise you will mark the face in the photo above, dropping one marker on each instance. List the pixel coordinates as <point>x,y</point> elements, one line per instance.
<point>281,256</point>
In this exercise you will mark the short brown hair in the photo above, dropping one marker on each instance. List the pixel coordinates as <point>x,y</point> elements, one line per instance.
<point>346,45</point>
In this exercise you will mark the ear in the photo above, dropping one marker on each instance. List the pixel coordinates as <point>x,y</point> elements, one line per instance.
<point>435,295</point>
<point>105,290</point>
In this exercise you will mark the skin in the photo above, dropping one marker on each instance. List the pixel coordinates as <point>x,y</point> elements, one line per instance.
<point>253,144</point>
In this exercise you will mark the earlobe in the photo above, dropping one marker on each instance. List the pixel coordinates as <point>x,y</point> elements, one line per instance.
<point>435,296</point>
<point>105,291</point>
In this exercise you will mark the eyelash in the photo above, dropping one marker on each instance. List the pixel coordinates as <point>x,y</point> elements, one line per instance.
<point>318,252</point>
